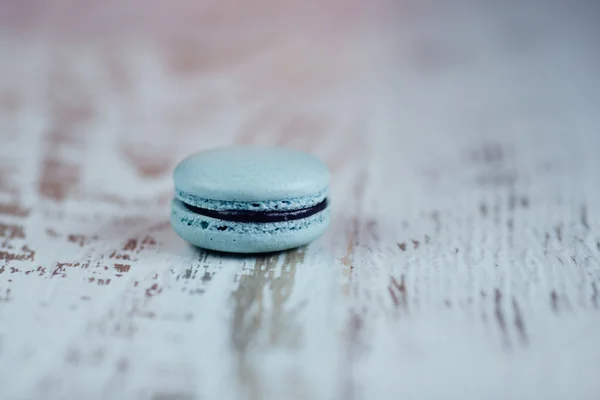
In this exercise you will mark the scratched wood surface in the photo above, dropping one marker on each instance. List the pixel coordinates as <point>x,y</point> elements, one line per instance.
<point>463,261</point>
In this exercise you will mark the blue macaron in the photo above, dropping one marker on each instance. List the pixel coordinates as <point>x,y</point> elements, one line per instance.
<point>248,199</point>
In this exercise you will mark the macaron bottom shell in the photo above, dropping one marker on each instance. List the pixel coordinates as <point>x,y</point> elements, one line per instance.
<point>235,237</point>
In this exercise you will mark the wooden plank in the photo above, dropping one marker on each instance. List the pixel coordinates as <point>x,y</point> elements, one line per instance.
<point>463,257</point>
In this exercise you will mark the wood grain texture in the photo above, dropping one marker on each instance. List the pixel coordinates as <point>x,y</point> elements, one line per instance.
<point>463,261</point>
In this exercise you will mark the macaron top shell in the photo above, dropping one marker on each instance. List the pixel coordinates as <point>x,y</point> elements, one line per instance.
<point>251,173</point>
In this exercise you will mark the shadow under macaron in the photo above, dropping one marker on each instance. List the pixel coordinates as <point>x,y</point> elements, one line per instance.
<point>243,256</point>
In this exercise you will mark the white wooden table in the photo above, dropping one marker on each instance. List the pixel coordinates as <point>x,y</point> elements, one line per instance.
<point>463,258</point>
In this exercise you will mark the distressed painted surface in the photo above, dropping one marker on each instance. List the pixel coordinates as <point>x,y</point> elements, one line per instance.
<point>463,260</point>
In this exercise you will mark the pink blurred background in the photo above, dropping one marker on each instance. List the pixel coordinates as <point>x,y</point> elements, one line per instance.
<point>176,18</point>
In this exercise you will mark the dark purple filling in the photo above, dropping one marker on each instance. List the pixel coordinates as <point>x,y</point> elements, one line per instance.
<point>259,216</point>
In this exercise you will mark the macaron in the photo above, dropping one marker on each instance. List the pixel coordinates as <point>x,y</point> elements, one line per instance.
<point>249,199</point>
